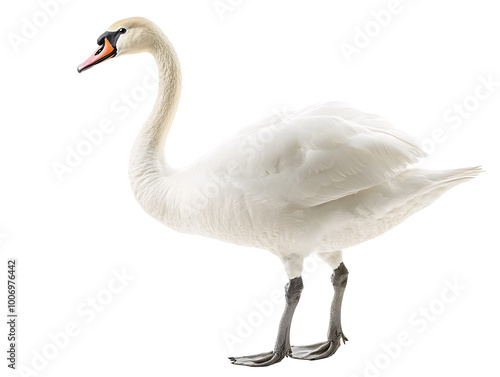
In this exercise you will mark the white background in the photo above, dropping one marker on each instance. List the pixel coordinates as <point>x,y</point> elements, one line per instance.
<point>189,293</point>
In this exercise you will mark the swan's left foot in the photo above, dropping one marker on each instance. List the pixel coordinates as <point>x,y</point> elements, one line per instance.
<point>260,360</point>
<point>317,351</point>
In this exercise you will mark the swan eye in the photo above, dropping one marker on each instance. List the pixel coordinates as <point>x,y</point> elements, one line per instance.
<point>122,30</point>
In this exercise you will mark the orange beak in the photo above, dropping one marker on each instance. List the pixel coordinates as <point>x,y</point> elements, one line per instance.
<point>103,53</point>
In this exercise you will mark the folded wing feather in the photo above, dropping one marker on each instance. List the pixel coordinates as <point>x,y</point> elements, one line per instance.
<point>321,154</point>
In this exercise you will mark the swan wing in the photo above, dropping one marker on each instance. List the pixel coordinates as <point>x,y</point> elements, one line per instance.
<point>318,155</point>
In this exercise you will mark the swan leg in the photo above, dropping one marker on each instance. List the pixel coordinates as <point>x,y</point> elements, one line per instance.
<point>293,290</point>
<point>335,335</point>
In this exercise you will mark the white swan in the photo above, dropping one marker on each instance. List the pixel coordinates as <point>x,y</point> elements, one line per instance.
<point>322,180</point>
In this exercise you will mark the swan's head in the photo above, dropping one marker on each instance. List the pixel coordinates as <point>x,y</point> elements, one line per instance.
<point>128,36</point>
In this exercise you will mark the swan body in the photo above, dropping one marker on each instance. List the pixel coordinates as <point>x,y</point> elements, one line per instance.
<point>324,179</point>
<point>318,181</point>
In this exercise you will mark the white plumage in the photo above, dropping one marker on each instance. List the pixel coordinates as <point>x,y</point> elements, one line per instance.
<point>318,181</point>
<point>321,180</point>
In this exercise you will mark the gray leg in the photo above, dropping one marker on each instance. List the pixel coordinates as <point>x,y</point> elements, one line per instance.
<point>282,346</point>
<point>322,350</point>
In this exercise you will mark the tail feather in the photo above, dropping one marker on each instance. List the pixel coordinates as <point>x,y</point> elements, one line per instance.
<point>455,175</point>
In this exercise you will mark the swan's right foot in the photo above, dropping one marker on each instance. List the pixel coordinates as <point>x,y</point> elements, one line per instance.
<point>335,335</point>
<point>260,360</point>
<point>282,347</point>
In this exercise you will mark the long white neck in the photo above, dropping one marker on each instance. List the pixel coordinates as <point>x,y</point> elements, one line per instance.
<point>148,171</point>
